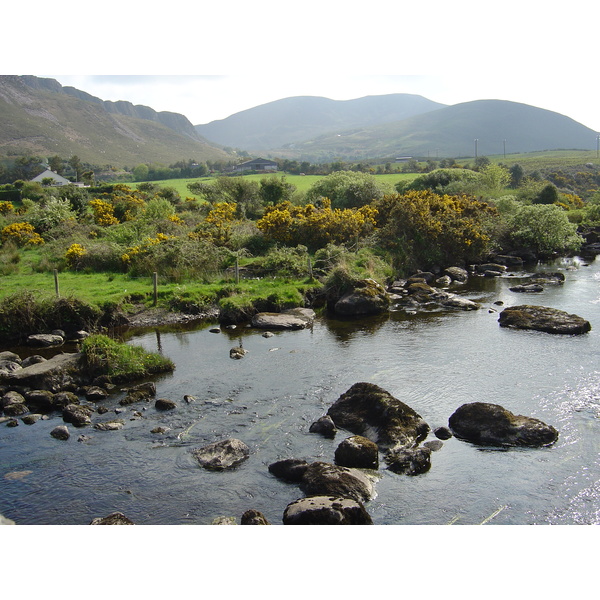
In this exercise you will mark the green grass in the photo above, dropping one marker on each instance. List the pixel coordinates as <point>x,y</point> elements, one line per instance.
<point>121,362</point>
<point>550,159</point>
<point>302,182</point>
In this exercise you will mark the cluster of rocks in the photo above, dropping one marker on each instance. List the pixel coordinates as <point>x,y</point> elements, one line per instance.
<point>425,290</point>
<point>335,493</point>
<point>33,388</point>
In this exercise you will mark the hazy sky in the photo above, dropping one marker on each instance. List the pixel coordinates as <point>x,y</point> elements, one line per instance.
<point>205,98</point>
<point>208,61</point>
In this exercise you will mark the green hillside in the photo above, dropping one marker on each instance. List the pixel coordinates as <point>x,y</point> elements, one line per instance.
<point>37,121</point>
<point>497,125</point>
<point>290,120</point>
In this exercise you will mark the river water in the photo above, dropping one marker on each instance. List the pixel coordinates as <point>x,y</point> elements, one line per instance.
<point>434,362</point>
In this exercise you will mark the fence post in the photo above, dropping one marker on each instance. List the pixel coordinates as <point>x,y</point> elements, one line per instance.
<point>56,288</point>
<point>310,271</point>
<point>237,269</point>
<point>155,285</point>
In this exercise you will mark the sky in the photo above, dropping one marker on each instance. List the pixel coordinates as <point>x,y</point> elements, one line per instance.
<point>206,98</point>
<point>208,62</point>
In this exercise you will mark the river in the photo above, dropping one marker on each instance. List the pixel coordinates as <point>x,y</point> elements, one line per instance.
<point>434,362</point>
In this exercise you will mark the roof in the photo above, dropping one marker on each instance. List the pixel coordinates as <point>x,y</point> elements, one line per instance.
<point>48,174</point>
<point>255,161</point>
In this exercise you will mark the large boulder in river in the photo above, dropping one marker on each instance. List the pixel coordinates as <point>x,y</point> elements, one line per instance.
<point>368,410</point>
<point>366,298</point>
<point>493,425</point>
<point>542,318</point>
<point>326,510</point>
<point>325,479</point>
<point>219,456</point>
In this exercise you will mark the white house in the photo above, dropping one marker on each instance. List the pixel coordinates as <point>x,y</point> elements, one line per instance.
<point>57,179</point>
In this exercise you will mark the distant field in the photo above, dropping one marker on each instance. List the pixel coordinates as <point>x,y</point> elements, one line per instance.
<point>532,161</point>
<point>302,182</point>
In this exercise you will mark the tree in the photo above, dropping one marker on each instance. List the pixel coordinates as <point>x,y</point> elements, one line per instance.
<point>75,164</point>
<point>548,195</point>
<point>516,175</point>
<point>274,190</point>
<point>56,164</point>
<point>494,179</point>
<point>140,173</point>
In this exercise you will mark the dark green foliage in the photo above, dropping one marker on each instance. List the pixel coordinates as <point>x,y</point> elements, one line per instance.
<point>439,179</point>
<point>548,195</point>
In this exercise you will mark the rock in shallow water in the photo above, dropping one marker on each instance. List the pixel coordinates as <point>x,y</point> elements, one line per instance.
<point>368,410</point>
<point>222,455</point>
<point>542,318</point>
<point>493,425</point>
<point>326,510</point>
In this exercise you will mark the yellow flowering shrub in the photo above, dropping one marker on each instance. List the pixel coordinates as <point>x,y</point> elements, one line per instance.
<point>74,254</point>
<point>22,234</point>
<point>143,249</point>
<point>104,212</point>
<point>315,227</point>
<point>6,207</point>
<point>424,229</point>
<point>217,224</point>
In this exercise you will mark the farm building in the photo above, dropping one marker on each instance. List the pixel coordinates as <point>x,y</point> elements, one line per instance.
<point>257,164</point>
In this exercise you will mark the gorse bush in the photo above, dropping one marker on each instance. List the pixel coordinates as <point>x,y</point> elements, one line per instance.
<point>424,229</point>
<point>315,227</point>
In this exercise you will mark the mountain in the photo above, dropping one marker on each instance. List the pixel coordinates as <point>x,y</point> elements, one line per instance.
<point>497,125</point>
<point>38,116</point>
<point>300,118</point>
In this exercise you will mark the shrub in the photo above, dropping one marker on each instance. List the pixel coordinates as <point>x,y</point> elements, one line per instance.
<point>422,229</point>
<point>543,228</point>
<point>438,181</point>
<point>346,189</point>
<point>315,227</point>
<point>22,234</point>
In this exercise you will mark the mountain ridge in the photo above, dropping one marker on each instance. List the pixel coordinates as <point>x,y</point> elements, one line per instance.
<point>41,117</point>
<point>299,118</point>
<point>437,130</point>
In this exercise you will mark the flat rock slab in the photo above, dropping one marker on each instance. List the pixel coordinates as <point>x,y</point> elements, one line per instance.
<point>542,318</point>
<point>278,321</point>
<point>37,375</point>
